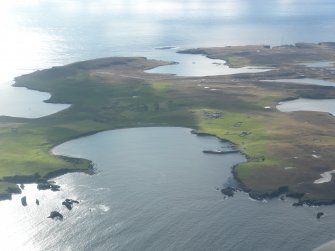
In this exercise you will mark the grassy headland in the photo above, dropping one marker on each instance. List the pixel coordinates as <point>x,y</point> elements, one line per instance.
<point>115,93</point>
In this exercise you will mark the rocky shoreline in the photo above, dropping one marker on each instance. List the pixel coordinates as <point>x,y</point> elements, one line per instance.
<point>280,192</point>
<point>43,183</point>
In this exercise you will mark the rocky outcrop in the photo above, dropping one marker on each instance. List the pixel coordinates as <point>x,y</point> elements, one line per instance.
<point>221,151</point>
<point>24,201</point>
<point>55,215</point>
<point>298,204</point>
<point>60,172</point>
<point>54,187</point>
<point>43,186</point>
<point>68,203</point>
<point>37,202</point>
<point>42,182</point>
<point>281,191</point>
<point>268,195</point>
<point>201,133</point>
<point>48,185</point>
<point>228,191</point>
<point>257,196</point>
<point>302,202</point>
<point>319,215</point>
<point>295,195</point>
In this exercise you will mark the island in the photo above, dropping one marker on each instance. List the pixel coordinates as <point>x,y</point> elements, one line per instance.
<point>116,92</point>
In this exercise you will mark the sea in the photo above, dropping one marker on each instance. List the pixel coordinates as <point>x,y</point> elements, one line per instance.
<point>154,189</point>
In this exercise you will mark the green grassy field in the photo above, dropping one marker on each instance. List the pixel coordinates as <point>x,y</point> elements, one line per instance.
<point>115,93</point>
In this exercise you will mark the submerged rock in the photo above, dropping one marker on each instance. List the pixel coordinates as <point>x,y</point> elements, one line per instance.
<point>319,215</point>
<point>55,215</point>
<point>296,195</point>
<point>229,191</point>
<point>48,185</point>
<point>72,201</point>
<point>256,195</point>
<point>298,204</point>
<point>24,201</point>
<point>68,203</point>
<point>43,186</point>
<point>54,188</point>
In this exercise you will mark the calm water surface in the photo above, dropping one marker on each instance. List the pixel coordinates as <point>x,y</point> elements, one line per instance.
<point>157,192</point>
<point>199,65</point>
<point>303,104</point>
<point>323,64</point>
<point>154,191</point>
<point>308,81</point>
<point>21,102</point>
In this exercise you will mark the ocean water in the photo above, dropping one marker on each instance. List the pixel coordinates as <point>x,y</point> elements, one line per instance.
<point>144,197</point>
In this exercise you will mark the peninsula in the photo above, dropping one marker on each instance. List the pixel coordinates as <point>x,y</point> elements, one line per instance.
<point>111,93</point>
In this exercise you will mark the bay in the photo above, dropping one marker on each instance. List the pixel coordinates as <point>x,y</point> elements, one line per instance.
<point>21,102</point>
<point>148,194</point>
<point>151,193</point>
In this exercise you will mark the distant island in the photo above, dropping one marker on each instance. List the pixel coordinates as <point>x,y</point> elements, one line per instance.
<point>112,93</point>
